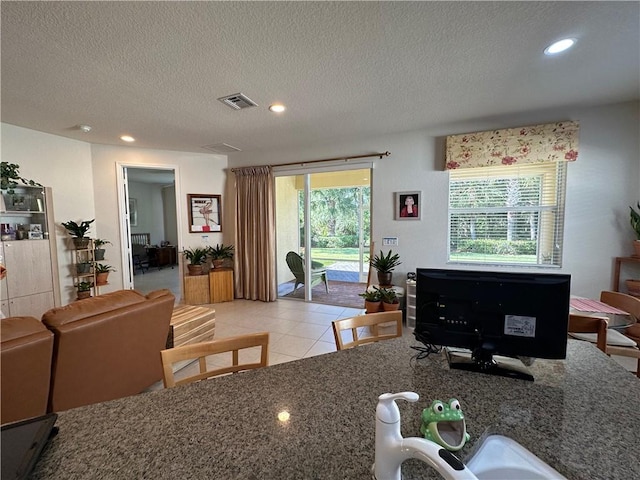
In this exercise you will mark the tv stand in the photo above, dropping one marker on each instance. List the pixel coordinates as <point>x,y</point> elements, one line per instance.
<point>485,362</point>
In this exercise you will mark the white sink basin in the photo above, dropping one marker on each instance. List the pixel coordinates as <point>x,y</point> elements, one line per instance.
<point>501,458</point>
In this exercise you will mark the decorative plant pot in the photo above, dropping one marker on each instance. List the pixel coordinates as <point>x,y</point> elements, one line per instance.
<point>195,269</point>
<point>634,287</point>
<point>372,307</point>
<point>84,294</point>
<point>388,307</point>
<point>101,278</point>
<point>99,253</point>
<point>83,268</point>
<point>636,248</point>
<point>81,243</point>
<point>384,279</point>
<point>218,263</point>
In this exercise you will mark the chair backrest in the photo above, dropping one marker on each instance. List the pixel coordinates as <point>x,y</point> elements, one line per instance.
<point>587,324</point>
<point>296,265</point>
<point>622,301</point>
<point>202,350</point>
<point>372,320</point>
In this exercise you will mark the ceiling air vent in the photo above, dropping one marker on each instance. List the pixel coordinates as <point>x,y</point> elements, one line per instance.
<point>238,101</point>
<point>222,148</point>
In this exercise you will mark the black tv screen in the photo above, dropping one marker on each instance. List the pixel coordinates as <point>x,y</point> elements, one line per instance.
<point>493,313</point>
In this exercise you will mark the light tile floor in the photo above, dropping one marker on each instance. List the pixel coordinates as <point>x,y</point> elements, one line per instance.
<point>296,329</point>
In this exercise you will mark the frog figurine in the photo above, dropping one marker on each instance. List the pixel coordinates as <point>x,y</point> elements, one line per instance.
<point>443,423</point>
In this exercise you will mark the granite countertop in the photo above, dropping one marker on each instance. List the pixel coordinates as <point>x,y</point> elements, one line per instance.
<point>581,416</point>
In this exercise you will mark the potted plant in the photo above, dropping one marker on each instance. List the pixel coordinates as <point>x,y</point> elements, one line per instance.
<point>84,289</point>
<point>390,299</point>
<point>78,231</point>
<point>102,273</point>
<point>220,253</point>
<point>9,177</point>
<point>372,300</point>
<point>83,267</point>
<point>98,243</point>
<point>196,257</point>
<point>634,220</point>
<point>385,264</point>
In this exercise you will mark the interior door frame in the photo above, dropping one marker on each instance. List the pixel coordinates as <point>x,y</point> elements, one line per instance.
<point>124,215</point>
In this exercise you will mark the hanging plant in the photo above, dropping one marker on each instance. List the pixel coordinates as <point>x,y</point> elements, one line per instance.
<point>10,176</point>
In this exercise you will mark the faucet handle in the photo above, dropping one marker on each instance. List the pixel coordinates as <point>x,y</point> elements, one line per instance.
<point>387,410</point>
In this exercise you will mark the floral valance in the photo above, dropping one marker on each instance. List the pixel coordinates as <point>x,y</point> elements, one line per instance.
<point>551,142</point>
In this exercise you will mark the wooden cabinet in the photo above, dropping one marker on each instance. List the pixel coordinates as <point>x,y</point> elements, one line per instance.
<point>162,256</point>
<point>29,253</point>
<point>221,285</point>
<point>196,289</point>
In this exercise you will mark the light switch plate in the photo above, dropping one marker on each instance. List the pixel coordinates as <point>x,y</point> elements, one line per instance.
<point>388,241</point>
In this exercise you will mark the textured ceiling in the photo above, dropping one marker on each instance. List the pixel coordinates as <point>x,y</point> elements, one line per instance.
<point>155,69</point>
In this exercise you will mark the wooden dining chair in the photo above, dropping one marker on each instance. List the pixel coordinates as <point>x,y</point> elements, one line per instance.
<point>584,324</point>
<point>631,305</point>
<point>201,351</point>
<point>372,320</point>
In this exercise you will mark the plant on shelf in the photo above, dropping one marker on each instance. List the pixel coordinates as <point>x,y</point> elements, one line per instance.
<point>83,267</point>
<point>78,232</point>
<point>9,177</point>
<point>84,289</point>
<point>390,299</point>
<point>98,243</point>
<point>102,273</point>
<point>196,257</point>
<point>220,253</point>
<point>372,300</point>
<point>634,220</point>
<point>385,264</point>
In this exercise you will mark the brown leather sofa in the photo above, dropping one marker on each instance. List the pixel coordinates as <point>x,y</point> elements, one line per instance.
<point>107,347</point>
<point>26,348</point>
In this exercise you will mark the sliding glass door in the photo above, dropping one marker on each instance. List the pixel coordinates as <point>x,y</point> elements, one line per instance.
<point>324,219</point>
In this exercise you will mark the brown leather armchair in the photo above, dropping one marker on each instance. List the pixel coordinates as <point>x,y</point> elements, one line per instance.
<point>107,347</point>
<point>25,356</point>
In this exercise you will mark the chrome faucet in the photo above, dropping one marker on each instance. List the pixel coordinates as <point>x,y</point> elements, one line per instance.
<point>392,449</point>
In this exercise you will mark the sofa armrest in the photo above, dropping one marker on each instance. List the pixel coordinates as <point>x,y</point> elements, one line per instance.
<point>26,349</point>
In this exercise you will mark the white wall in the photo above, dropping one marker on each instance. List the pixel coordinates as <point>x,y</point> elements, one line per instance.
<point>150,210</point>
<point>194,173</point>
<point>601,185</point>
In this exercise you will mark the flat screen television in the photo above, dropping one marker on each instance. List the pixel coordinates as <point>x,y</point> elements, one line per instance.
<point>514,315</point>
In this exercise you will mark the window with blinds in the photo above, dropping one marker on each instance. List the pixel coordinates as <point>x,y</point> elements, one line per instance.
<point>507,215</point>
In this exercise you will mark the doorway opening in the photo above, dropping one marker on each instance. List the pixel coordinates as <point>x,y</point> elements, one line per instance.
<point>328,215</point>
<point>149,225</point>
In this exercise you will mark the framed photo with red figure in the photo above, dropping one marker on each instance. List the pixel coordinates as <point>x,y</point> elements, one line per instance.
<point>205,213</point>
<point>408,205</point>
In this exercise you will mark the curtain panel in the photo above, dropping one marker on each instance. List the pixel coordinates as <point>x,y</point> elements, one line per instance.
<point>255,275</point>
<point>551,142</point>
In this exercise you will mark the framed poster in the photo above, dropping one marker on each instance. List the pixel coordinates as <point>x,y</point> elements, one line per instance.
<point>133,212</point>
<point>408,205</point>
<point>205,213</point>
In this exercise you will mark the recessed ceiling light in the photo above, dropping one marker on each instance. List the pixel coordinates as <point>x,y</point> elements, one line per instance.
<point>559,46</point>
<point>85,128</point>
<point>277,108</point>
<point>127,138</point>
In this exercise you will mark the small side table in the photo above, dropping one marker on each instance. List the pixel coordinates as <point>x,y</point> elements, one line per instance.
<point>616,272</point>
<point>221,285</point>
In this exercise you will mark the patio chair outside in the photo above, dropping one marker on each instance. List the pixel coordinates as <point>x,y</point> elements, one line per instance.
<point>296,265</point>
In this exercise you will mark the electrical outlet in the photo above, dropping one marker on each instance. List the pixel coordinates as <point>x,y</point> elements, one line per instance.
<point>205,238</point>
<point>389,241</point>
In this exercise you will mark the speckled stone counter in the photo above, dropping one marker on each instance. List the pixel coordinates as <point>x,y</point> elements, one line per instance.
<point>581,415</point>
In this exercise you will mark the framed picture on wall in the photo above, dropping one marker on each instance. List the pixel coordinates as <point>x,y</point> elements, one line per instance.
<point>133,212</point>
<point>205,213</point>
<point>408,205</point>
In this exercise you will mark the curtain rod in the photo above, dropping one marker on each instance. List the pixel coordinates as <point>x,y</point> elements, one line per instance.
<point>346,159</point>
